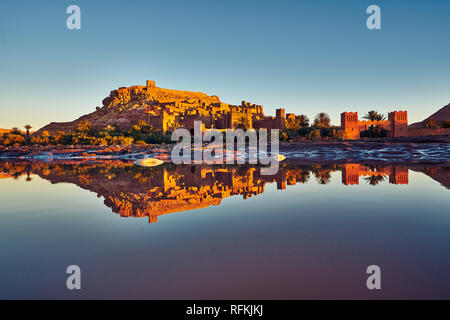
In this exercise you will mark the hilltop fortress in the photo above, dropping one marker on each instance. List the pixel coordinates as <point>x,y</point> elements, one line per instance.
<point>166,109</point>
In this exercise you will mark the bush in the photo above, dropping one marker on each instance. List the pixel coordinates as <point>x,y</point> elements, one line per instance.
<point>374,132</point>
<point>13,140</point>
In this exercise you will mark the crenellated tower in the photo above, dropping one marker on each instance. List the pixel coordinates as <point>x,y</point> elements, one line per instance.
<point>398,123</point>
<point>349,125</point>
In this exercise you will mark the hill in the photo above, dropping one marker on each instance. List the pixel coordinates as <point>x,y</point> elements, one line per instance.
<point>127,105</point>
<point>439,116</point>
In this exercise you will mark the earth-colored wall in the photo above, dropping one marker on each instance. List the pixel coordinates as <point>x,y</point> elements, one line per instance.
<point>428,132</point>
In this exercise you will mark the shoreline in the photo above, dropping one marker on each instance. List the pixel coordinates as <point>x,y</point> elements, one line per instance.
<point>433,149</point>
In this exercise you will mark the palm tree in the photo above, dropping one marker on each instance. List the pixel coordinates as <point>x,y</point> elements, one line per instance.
<point>374,116</point>
<point>28,127</point>
<point>322,120</point>
<point>304,120</point>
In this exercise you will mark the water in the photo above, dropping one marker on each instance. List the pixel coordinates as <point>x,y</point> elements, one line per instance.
<point>223,232</point>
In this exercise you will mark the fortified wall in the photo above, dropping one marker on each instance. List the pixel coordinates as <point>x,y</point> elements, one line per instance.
<point>396,125</point>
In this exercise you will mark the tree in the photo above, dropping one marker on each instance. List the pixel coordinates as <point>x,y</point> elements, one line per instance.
<point>175,125</point>
<point>304,120</point>
<point>242,123</point>
<point>431,124</point>
<point>15,130</point>
<point>28,127</point>
<point>374,116</point>
<point>84,126</point>
<point>142,123</point>
<point>374,131</point>
<point>446,123</point>
<point>322,120</point>
<point>292,124</point>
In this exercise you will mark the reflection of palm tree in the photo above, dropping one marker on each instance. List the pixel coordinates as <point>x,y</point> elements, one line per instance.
<point>323,176</point>
<point>375,179</point>
<point>304,176</point>
<point>28,179</point>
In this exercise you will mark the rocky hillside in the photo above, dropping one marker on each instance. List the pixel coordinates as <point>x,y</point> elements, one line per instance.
<point>127,105</point>
<point>439,116</point>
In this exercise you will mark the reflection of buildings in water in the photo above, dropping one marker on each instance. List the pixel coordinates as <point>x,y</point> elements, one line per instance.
<point>186,188</point>
<point>133,191</point>
<point>352,172</point>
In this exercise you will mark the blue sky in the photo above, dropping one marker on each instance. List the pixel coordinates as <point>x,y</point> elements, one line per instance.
<point>305,56</point>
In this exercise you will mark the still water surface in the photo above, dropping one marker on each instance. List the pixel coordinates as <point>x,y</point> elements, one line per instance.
<point>199,232</point>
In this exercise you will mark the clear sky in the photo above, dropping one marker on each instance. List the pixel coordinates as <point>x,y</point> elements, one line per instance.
<point>305,56</point>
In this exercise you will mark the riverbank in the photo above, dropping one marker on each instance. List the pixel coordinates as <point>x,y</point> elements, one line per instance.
<point>405,150</point>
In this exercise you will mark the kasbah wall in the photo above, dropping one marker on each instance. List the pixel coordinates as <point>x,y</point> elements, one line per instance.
<point>396,125</point>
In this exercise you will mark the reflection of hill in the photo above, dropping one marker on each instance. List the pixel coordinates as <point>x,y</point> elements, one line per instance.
<point>139,192</point>
<point>440,174</point>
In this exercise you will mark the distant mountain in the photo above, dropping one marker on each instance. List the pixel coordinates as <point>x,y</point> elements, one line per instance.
<point>439,117</point>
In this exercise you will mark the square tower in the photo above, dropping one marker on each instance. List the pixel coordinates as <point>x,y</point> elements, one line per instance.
<point>280,119</point>
<point>350,174</point>
<point>151,84</point>
<point>349,125</point>
<point>398,121</point>
<point>399,175</point>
